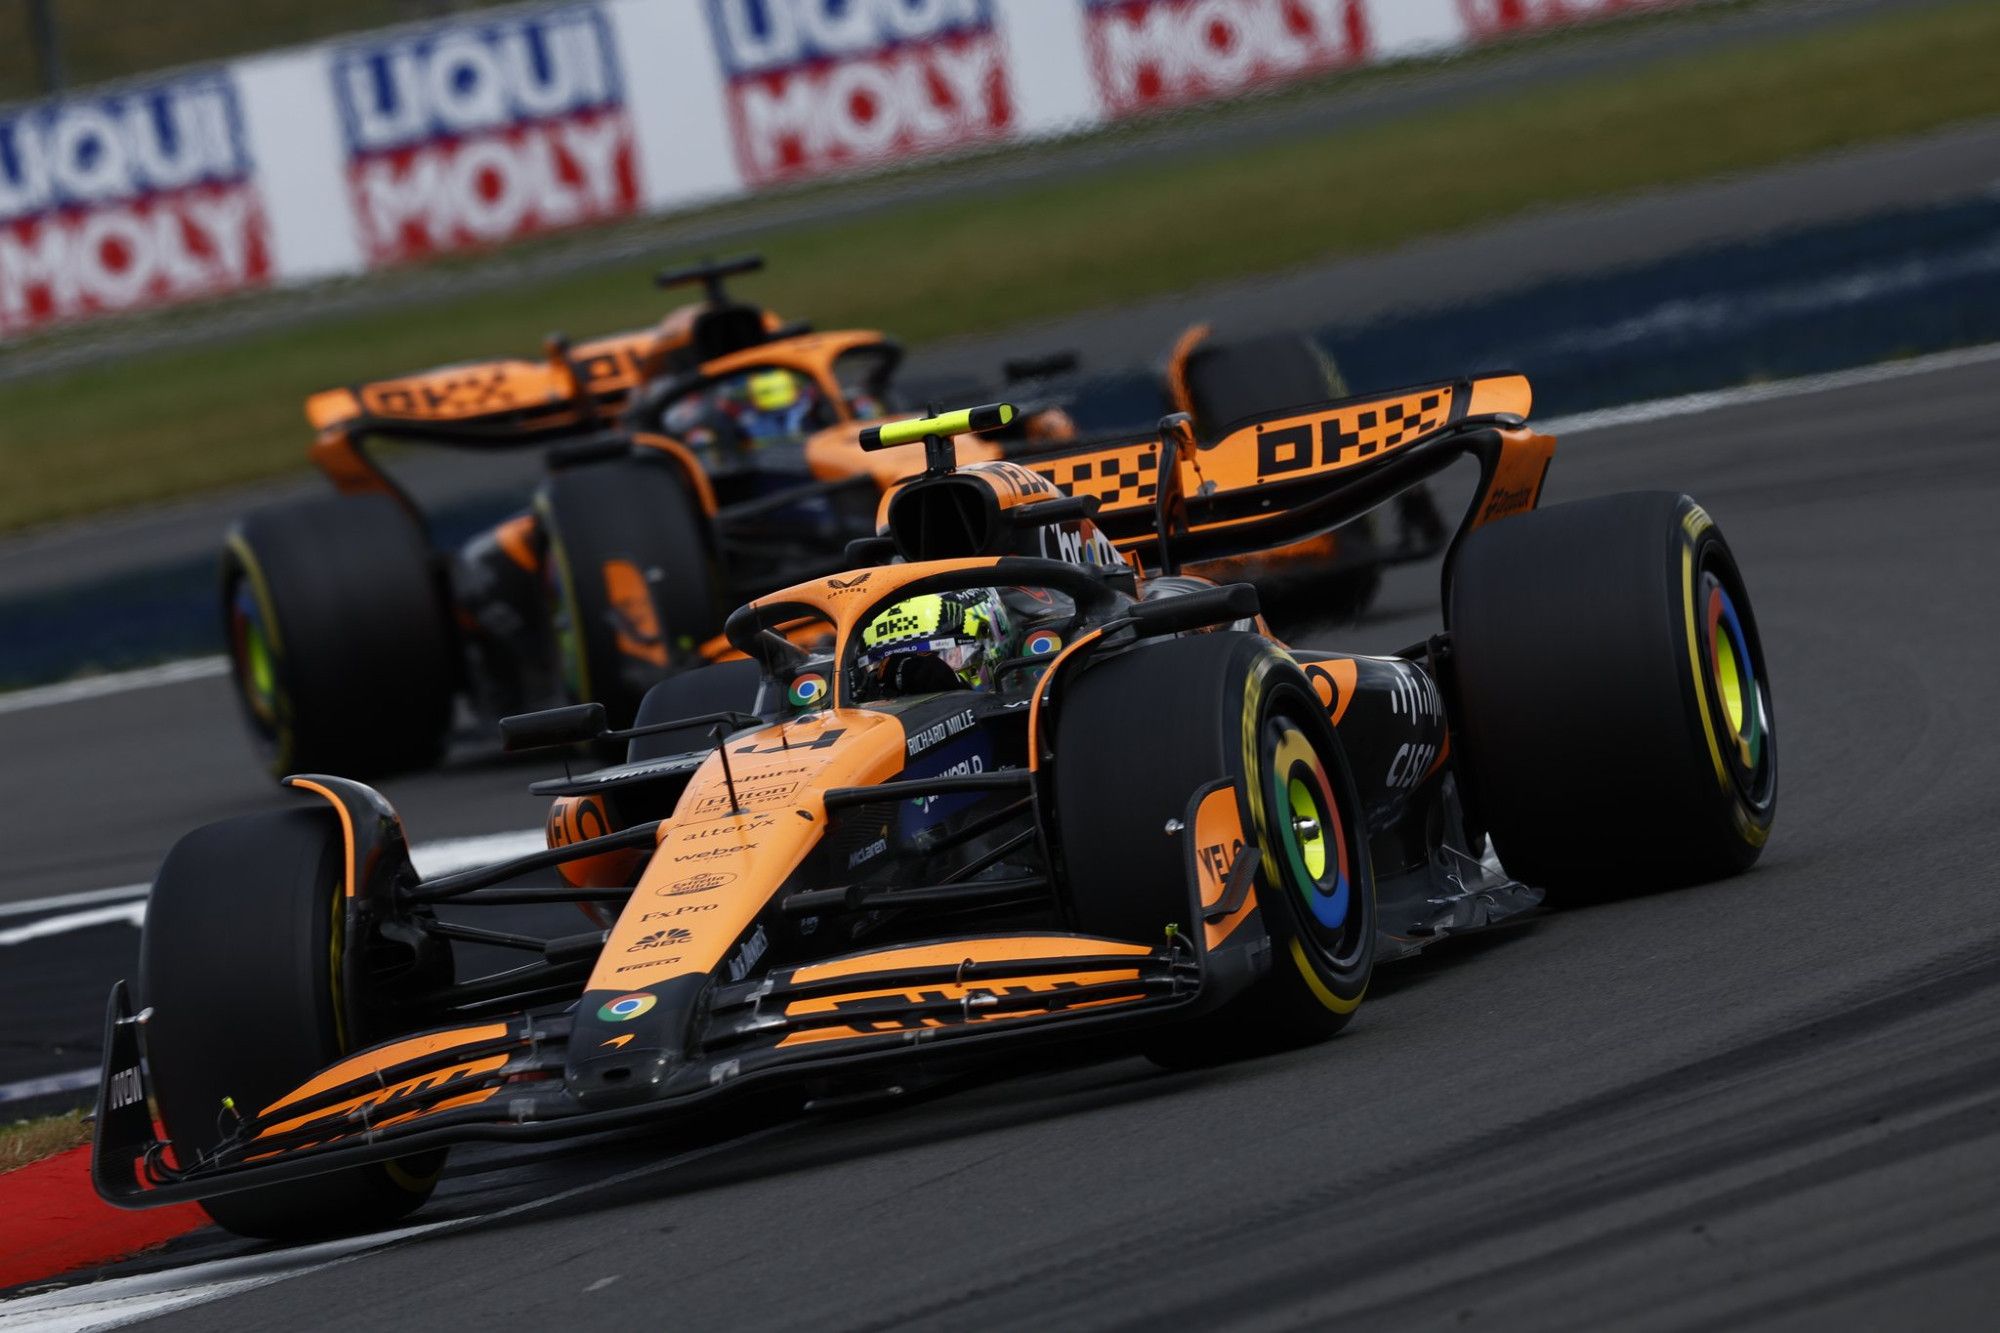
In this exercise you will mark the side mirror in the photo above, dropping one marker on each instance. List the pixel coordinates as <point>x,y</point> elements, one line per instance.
<point>553,726</point>
<point>1195,610</point>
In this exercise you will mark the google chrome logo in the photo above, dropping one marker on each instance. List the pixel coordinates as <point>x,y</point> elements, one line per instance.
<point>626,1006</point>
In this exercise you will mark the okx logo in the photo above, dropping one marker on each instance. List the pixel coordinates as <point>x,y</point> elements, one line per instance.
<point>818,85</point>
<point>481,132</point>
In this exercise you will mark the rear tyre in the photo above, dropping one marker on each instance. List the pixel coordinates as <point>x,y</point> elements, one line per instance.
<point>238,964</point>
<point>1139,738</point>
<point>1613,704</point>
<point>635,583</point>
<point>725,687</point>
<point>339,643</point>
<point>1230,379</point>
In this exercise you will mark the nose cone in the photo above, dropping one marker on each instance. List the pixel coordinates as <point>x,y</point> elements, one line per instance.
<point>620,1078</point>
<point>622,1047</point>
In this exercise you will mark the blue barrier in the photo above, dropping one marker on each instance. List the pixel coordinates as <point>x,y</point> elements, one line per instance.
<point>1795,304</point>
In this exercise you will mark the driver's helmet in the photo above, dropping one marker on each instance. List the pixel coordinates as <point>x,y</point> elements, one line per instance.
<point>936,642</point>
<point>755,407</point>
<point>773,390</point>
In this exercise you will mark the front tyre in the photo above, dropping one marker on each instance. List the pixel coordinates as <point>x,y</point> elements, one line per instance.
<point>238,963</point>
<point>1613,702</point>
<point>339,644</point>
<point>1139,738</point>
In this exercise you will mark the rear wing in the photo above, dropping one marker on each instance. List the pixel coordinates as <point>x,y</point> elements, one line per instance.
<point>497,402</point>
<point>1288,475</point>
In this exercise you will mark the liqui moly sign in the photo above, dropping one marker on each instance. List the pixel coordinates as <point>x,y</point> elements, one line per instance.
<point>1486,19</point>
<point>125,200</point>
<point>819,85</point>
<point>482,132</point>
<point>1147,54</point>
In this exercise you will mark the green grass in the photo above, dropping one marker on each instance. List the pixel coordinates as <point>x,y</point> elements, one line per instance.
<point>28,1141</point>
<point>169,424</point>
<point>115,39</point>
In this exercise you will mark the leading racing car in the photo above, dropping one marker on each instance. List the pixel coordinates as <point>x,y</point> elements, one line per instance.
<point>993,788</point>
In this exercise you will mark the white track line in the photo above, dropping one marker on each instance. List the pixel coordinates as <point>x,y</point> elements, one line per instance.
<point>441,856</point>
<point>118,682</point>
<point>98,907</point>
<point>57,902</point>
<point>117,1302</point>
<point>74,1080</point>
<point>129,914</point>
<point>444,856</point>
<point>1687,405</point>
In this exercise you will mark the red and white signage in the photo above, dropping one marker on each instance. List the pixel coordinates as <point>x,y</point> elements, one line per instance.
<point>1487,19</point>
<point>480,133</point>
<point>125,200</point>
<point>816,86</point>
<point>1148,54</point>
<point>416,142</point>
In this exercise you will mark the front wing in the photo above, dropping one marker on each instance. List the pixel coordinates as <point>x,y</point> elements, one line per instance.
<point>504,1080</point>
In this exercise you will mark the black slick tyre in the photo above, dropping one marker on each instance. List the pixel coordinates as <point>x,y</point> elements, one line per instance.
<point>238,964</point>
<point>1612,703</point>
<point>340,648</point>
<point>1143,736</point>
<point>1230,379</point>
<point>635,586</point>
<point>724,687</point>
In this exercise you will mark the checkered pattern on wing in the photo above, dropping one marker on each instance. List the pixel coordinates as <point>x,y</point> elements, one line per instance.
<point>1121,478</point>
<point>1386,425</point>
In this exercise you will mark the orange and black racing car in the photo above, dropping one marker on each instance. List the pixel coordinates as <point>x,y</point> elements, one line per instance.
<point>686,467</point>
<point>993,788</point>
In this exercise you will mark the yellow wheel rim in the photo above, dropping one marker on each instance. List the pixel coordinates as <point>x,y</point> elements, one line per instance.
<point>1729,683</point>
<point>1306,814</point>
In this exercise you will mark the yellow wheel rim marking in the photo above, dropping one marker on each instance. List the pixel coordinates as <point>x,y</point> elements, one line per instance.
<point>1312,848</point>
<point>1694,667</point>
<point>1729,682</point>
<point>1318,987</point>
<point>260,661</point>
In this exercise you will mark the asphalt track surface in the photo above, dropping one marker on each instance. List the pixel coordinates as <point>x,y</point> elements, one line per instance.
<point>1772,1102</point>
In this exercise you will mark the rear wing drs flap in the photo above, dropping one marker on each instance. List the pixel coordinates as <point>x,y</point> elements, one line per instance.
<point>503,401</point>
<point>1291,474</point>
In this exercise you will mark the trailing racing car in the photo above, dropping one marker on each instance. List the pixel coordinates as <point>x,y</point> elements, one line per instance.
<point>687,466</point>
<point>995,787</point>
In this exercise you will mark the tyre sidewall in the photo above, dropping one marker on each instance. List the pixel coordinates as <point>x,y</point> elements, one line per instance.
<point>238,962</point>
<point>1584,716</point>
<point>363,654</point>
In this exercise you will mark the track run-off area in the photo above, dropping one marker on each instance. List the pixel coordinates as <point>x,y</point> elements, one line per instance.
<point>1770,1102</point>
